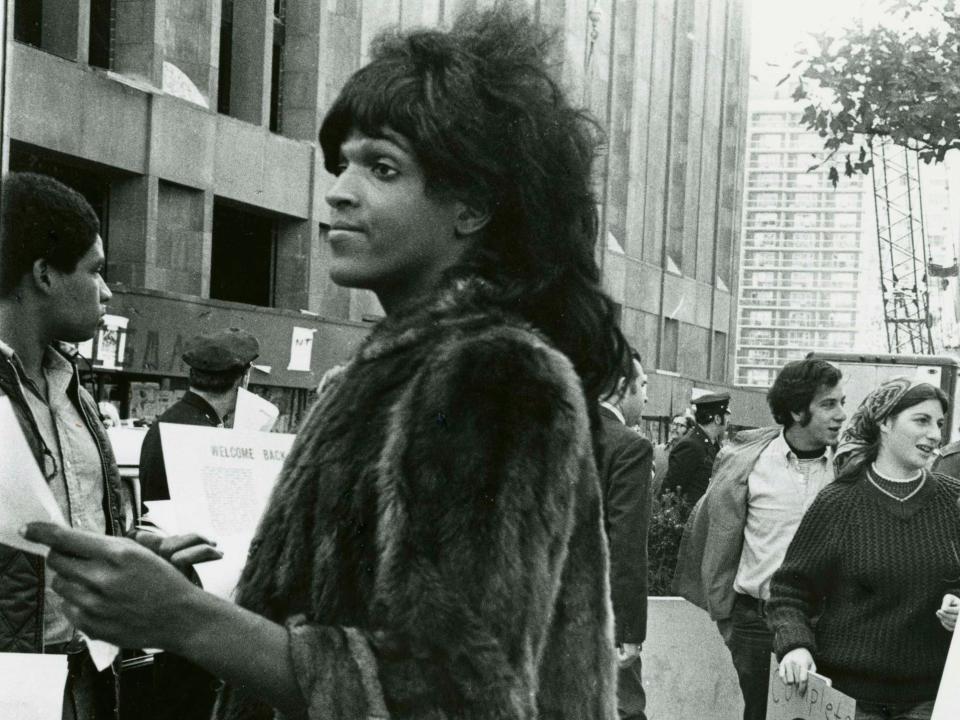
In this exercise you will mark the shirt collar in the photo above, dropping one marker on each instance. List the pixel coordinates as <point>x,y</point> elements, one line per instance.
<point>782,449</point>
<point>615,410</point>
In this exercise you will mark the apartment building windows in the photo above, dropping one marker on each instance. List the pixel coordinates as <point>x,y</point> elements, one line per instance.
<point>808,180</point>
<point>765,180</point>
<point>805,219</point>
<point>758,317</point>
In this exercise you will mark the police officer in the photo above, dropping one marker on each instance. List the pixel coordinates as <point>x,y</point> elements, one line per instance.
<point>949,461</point>
<point>691,459</point>
<point>219,365</point>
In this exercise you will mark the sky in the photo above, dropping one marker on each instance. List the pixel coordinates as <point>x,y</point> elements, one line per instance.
<point>778,25</point>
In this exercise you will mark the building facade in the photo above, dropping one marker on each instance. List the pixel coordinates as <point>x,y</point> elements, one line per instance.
<point>191,126</point>
<point>809,255</point>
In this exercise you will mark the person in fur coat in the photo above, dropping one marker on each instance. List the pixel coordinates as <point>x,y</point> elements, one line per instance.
<point>434,545</point>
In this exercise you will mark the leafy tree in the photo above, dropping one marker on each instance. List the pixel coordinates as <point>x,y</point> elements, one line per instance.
<point>899,79</point>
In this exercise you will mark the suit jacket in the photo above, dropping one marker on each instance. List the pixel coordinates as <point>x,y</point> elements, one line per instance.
<point>625,465</point>
<point>435,540</point>
<point>691,463</point>
<point>191,409</point>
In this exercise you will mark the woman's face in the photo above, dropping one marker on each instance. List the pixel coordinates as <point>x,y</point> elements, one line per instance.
<point>911,437</point>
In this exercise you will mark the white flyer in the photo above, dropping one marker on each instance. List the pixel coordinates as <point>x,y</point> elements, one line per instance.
<point>25,497</point>
<point>947,706</point>
<point>254,412</point>
<point>24,494</point>
<point>220,481</point>
<point>32,687</point>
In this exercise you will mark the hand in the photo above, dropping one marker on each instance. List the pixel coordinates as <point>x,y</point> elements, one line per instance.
<point>795,667</point>
<point>949,609</point>
<point>115,589</point>
<point>627,653</point>
<point>183,551</point>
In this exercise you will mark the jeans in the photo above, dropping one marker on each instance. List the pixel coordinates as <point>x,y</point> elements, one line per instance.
<point>751,643</point>
<point>631,699</point>
<point>894,711</point>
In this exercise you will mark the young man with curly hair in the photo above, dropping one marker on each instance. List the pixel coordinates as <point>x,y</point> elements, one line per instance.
<point>763,483</point>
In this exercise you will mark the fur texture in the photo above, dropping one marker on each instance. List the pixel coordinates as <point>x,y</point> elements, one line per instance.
<point>442,498</point>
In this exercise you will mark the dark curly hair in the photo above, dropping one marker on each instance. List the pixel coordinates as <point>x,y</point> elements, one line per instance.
<point>41,218</point>
<point>795,387</point>
<point>490,127</point>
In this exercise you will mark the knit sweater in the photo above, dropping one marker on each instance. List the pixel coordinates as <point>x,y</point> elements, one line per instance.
<point>876,570</point>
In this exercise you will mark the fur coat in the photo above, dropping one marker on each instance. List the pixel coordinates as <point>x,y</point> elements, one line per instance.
<point>435,543</point>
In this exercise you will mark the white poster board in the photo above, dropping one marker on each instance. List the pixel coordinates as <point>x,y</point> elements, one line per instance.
<point>220,481</point>
<point>947,706</point>
<point>784,702</point>
<point>32,686</point>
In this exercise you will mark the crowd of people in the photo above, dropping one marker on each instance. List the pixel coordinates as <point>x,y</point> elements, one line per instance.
<point>460,528</point>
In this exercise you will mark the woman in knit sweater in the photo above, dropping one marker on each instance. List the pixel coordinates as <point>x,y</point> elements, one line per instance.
<point>876,558</point>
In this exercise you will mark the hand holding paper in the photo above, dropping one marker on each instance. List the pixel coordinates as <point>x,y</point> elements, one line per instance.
<point>115,588</point>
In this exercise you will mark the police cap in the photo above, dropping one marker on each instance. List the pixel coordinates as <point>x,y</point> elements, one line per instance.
<point>713,402</point>
<point>221,350</point>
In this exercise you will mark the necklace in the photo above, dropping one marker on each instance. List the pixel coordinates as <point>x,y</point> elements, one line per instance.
<point>873,471</point>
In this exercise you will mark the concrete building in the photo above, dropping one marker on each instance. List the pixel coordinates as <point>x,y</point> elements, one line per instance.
<point>191,126</point>
<point>809,256</point>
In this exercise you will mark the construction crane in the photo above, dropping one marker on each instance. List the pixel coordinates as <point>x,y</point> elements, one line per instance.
<point>903,255</point>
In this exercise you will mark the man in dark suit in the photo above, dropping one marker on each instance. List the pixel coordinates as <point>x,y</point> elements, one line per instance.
<point>626,468</point>
<point>691,460</point>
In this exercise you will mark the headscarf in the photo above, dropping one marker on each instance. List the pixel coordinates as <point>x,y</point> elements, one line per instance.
<point>861,438</point>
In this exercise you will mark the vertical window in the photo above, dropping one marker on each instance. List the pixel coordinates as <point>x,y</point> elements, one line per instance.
<point>226,57</point>
<point>242,263</point>
<point>102,25</point>
<point>276,66</point>
<point>718,364</point>
<point>670,348</point>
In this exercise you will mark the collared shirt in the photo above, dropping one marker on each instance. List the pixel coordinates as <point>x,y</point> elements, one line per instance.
<point>77,484</point>
<point>615,410</point>
<point>780,489</point>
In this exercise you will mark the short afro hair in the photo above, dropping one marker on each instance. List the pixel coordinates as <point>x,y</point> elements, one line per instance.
<point>41,218</point>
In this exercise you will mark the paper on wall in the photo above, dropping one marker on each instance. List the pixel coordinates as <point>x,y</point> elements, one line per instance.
<point>254,412</point>
<point>301,348</point>
<point>33,685</point>
<point>220,482</point>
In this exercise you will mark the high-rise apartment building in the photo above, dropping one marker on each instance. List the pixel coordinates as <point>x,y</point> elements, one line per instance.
<point>807,249</point>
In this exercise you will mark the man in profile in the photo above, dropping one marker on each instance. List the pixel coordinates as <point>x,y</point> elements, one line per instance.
<point>625,469</point>
<point>219,366</point>
<point>52,293</point>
